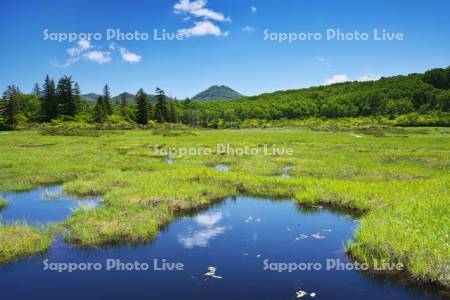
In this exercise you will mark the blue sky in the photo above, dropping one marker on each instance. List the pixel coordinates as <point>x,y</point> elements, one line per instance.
<point>222,43</point>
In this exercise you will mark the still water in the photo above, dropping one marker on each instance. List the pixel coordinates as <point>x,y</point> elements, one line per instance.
<point>238,237</point>
<point>42,205</point>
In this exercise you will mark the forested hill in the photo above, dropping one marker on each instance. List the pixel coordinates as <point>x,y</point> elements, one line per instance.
<point>217,92</point>
<point>391,96</point>
<point>415,99</point>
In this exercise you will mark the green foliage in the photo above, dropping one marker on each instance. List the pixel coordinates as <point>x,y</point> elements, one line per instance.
<point>142,113</point>
<point>100,110</point>
<point>439,78</point>
<point>396,100</point>
<point>10,107</point>
<point>19,240</point>
<point>388,97</point>
<point>217,92</point>
<point>161,109</point>
<point>68,100</point>
<point>107,100</point>
<point>49,102</point>
<point>68,128</point>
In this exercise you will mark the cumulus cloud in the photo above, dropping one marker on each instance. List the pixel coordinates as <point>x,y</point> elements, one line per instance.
<point>197,9</point>
<point>248,28</point>
<point>202,17</point>
<point>126,54</point>
<point>84,50</point>
<point>336,79</point>
<point>253,9</point>
<point>202,28</point>
<point>100,57</point>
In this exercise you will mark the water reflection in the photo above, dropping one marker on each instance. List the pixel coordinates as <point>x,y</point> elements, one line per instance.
<point>43,205</point>
<point>218,237</point>
<point>206,228</point>
<point>222,168</point>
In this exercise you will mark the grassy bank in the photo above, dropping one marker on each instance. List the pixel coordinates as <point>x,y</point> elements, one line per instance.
<point>21,240</point>
<point>399,177</point>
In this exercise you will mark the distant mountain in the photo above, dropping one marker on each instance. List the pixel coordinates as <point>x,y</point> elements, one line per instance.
<point>92,96</point>
<point>217,92</point>
<point>130,98</point>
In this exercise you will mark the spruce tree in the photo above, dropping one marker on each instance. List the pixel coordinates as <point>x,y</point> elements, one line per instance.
<point>173,117</point>
<point>2,114</point>
<point>142,107</point>
<point>123,104</point>
<point>99,111</point>
<point>107,100</point>
<point>36,90</point>
<point>68,104</point>
<point>49,104</point>
<point>10,110</point>
<point>161,110</point>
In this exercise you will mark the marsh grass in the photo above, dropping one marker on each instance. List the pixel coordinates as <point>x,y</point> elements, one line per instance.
<point>19,240</point>
<point>3,204</point>
<point>399,183</point>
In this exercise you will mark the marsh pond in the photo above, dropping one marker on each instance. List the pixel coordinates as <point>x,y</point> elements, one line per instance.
<point>240,248</point>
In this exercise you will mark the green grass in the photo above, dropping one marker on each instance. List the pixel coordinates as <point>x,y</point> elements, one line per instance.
<point>3,204</point>
<point>399,178</point>
<point>19,240</point>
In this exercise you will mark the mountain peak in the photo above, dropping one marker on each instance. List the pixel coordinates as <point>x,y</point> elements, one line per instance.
<point>217,92</point>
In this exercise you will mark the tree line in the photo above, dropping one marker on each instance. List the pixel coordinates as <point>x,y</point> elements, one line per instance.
<point>63,101</point>
<point>387,97</point>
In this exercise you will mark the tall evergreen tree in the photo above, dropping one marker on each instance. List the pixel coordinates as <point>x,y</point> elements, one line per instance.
<point>99,111</point>
<point>67,102</point>
<point>77,96</point>
<point>142,107</point>
<point>107,100</point>
<point>10,110</point>
<point>173,117</point>
<point>49,103</point>
<point>123,104</point>
<point>2,114</point>
<point>36,90</point>
<point>161,110</point>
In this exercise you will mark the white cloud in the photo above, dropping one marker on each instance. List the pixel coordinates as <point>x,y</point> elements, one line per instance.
<point>248,29</point>
<point>253,9</point>
<point>336,79</point>
<point>100,57</point>
<point>126,55</point>
<point>368,77</point>
<point>80,51</point>
<point>197,9</point>
<point>202,28</point>
<point>130,56</point>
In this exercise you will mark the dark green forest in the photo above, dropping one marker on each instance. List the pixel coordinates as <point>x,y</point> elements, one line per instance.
<point>412,100</point>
